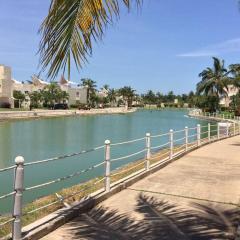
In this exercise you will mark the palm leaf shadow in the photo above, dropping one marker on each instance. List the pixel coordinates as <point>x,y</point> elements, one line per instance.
<point>160,220</point>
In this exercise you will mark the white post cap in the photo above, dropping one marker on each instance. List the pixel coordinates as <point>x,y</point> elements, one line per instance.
<point>19,160</point>
<point>107,142</point>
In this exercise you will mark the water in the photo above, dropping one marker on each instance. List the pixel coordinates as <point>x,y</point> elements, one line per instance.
<point>45,138</point>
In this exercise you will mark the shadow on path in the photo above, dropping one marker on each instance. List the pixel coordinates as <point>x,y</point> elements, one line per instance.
<point>158,220</point>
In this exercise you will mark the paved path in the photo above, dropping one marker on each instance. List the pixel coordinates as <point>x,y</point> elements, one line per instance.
<point>194,198</point>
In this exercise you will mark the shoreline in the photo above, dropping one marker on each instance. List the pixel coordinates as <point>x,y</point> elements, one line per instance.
<point>36,114</point>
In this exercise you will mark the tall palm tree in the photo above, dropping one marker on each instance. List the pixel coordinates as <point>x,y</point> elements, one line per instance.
<point>112,95</point>
<point>214,80</point>
<point>128,94</point>
<point>68,31</point>
<point>234,69</point>
<point>106,87</point>
<point>91,88</point>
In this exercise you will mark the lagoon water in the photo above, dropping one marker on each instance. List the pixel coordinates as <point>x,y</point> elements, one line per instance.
<point>45,138</point>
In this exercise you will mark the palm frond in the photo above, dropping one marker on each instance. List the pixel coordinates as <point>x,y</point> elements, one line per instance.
<point>68,31</point>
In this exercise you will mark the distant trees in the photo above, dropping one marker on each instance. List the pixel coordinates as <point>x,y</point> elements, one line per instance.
<point>128,94</point>
<point>112,96</point>
<point>52,93</point>
<point>49,95</point>
<point>19,98</point>
<point>91,90</point>
<point>214,83</point>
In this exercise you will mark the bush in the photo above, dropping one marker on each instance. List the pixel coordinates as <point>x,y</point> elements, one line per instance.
<point>74,106</point>
<point>5,105</point>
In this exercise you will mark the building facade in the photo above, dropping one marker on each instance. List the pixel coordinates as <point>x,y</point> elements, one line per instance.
<point>226,100</point>
<point>77,94</point>
<point>6,88</point>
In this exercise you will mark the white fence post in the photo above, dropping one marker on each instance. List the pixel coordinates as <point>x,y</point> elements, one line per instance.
<point>171,143</point>
<point>198,135</point>
<point>17,207</point>
<point>218,131</point>
<point>148,148</point>
<point>186,139</point>
<point>234,128</point>
<point>107,166</point>
<point>227,132</point>
<point>209,132</point>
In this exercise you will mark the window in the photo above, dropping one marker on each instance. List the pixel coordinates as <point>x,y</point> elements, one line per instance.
<point>77,94</point>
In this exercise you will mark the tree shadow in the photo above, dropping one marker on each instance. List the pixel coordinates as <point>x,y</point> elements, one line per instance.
<point>160,220</point>
<point>236,144</point>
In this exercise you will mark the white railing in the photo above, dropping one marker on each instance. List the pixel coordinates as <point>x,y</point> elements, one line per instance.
<point>177,142</point>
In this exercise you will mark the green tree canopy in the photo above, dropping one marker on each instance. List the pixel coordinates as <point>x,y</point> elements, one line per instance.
<point>68,31</point>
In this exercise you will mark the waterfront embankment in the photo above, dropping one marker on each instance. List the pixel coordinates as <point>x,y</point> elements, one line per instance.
<point>5,115</point>
<point>214,117</point>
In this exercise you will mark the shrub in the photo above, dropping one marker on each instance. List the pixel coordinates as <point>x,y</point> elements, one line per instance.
<point>74,106</point>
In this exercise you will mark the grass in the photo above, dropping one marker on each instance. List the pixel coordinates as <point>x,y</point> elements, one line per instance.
<point>12,109</point>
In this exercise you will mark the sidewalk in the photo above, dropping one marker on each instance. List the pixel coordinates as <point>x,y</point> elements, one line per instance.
<point>196,197</point>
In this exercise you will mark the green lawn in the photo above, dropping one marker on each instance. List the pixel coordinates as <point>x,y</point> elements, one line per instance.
<point>12,109</point>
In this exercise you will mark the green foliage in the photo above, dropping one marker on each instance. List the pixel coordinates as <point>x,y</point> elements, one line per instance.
<point>69,28</point>
<point>214,80</point>
<point>91,90</point>
<point>35,98</point>
<point>19,95</point>
<point>128,94</point>
<point>19,98</point>
<point>52,93</point>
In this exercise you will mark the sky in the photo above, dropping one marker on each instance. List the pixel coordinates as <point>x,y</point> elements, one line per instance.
<point>163,46</point>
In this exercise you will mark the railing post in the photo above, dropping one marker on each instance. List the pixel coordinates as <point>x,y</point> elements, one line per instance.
<point>234,128</point>
<point>218,131</point>
<point>148,148</point>
<point>238,127</point>
<point>198,135</point>
<point>171,143</point>
<point>17,207</point>
<point>209,132</point>
<point>107,166</point>
<point>186,139</point>
<point>227,130</point>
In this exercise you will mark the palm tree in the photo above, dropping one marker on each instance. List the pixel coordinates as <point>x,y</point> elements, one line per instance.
<point>91,88</point>
<point>112,95</point>
<point>127,93</point>
<point>214,80</point>
<point>234,69</point>
<point>106,87</point>
<point>69,28</point>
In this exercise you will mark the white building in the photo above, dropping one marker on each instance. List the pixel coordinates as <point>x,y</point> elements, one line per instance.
<point>76,93</point>
<point>6,88</point>
<point>226,100</point>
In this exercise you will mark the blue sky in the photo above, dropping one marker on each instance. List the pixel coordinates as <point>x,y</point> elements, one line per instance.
<point>163,47</point>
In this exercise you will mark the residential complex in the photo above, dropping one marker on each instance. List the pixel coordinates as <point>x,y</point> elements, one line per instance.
<point>77,94</point>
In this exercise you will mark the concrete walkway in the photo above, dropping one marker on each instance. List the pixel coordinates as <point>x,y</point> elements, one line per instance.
<point>196,197</point>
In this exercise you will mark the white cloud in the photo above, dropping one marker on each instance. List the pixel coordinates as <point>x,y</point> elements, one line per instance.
<point>229,46</point>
